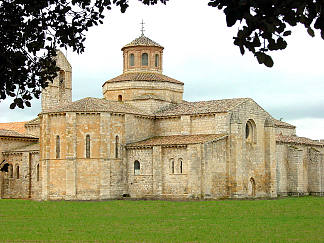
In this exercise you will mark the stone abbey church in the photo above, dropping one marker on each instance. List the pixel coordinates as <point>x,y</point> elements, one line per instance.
<point>142,140</point>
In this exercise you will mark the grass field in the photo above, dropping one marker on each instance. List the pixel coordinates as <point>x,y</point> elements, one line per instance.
<point>282,220</point>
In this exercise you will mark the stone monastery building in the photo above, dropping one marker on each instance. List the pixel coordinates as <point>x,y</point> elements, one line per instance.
<point>142,140</point>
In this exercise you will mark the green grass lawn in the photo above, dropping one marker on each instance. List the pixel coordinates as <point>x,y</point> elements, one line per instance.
<point>282,220</point>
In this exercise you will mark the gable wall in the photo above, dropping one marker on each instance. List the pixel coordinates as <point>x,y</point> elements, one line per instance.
<point>252,158</point>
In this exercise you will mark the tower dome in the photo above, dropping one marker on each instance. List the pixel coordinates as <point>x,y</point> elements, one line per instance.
<point>142,80</point>
<point>142,54</point>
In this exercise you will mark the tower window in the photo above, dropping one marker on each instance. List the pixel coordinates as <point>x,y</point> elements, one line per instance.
<point>131,60</point>
<point>61,77</point>
<point>88,146</point>
<point>144,59</point>
<point>137,167</point>
<point>120,98</point>
<point>180,166</point>
<point>58,147</point>
<point>156,60</point>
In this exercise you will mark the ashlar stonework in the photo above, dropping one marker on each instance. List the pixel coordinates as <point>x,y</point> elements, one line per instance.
<point>143,140</point>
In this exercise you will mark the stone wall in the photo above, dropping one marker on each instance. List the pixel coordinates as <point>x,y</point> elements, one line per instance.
<point>299,169</point>
<point>74,175</point>
<point>23,182</point>
<point>149,105</point>
<point>215,182</point>
<point>138,128</point>
<point>130,90</point>
<point>192,124</point>
<point>32,130</point>
<point>255,171</point>
<point>286,131</point>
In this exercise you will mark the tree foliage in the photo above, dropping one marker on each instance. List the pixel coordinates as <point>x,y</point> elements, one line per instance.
<point>31,31</point>
<point>264,24</point>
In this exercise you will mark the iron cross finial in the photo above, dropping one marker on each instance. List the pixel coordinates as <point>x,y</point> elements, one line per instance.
<point>142,29</point>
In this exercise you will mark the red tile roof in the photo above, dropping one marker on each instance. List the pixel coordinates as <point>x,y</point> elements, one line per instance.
<point>177,140</point>
<point>142,41</point>
<point>279,123</point>
<point>200,107</point>
<point>14,126</point>
<point>298,140</point>
<point>90,104</point>
<point>27,148</point>
<point>11,133</point>
<point>143,76</point>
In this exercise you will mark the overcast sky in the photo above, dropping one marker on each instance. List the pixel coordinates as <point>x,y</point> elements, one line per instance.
<point>199,51</point>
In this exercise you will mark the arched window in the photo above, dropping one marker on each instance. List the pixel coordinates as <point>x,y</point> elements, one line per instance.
<point>10,171</point>
<point>144,59</point>
<point>180,166</point>
<point>88,146</point>
<point>116,147</point>
<point>156,60</point>
<point>37,172</point>
<point>17,171</point>
<point>58,147</point>
<point>137,167</point>
<point>250,131</point>
<point>131,60</point>
<point>120,98</point>
<point>172,165</point>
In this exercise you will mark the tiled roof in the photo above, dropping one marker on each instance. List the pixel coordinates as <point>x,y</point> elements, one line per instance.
<point>30,147</point>
<point>143,76</point>
<point>200,107</point>
<point>14,126</point>
<point>279,123</point>
<point>90,104</point>
<point>35,121</point>
<point>142,41</point>
<point>11,133</point>
<point>298,140</point>
<point>177,140</point>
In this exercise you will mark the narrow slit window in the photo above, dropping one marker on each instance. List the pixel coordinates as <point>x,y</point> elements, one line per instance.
<point>172,166</point>
<point>156,60</point>
<point>116,147</point>
<point>137,167</point>
<point>131,60</point>
<point>17,171</point>
<point>180,166</point>
<point>58,147</point>
<point>37,172</point>
<point>144,59</point>
<point>88,146</point>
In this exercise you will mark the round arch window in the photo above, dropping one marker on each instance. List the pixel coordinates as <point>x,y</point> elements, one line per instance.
<point>137,167</point>
<point>250,131</point>
<point>144,59</point>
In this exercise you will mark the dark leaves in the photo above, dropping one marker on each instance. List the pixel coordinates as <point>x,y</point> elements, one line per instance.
<point>32,31</point>
<point>263,24</point>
